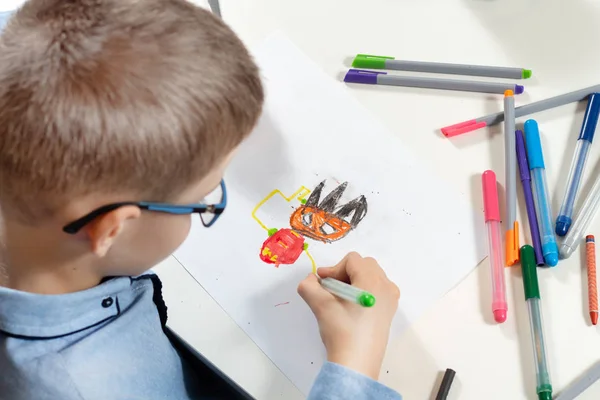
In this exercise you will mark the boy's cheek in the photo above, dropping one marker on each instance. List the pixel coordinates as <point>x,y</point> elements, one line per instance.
<point>150,242</point>
<point>165,235</point>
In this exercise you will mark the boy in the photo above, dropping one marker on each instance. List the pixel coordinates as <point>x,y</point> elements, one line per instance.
<point>116,118</point>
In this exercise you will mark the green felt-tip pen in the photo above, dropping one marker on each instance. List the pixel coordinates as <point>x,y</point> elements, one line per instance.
<point>532,296</point>
<point>384,62</point>
<point>348,292</point>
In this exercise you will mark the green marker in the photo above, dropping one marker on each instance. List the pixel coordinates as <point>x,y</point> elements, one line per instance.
<point>348,292</point>
<point>532,295</point>
<point>380,62</point>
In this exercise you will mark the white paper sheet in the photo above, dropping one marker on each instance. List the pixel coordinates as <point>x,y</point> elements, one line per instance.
<point>425,235</point>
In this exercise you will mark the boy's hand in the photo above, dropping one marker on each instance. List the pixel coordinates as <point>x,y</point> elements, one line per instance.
<point>354,336</point>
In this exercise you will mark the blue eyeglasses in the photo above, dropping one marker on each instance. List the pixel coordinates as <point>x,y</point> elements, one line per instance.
<point>209,213</point>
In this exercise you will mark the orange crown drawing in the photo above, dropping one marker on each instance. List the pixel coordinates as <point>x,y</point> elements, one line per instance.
<point>327,221</point>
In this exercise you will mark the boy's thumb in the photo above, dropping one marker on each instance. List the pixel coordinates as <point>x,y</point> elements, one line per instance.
<point>312,292</point>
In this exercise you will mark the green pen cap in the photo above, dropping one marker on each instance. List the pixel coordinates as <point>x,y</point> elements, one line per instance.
<point>527,73</point>
<point>366,299</point>
<point>545,396</point>
<point>369,61</point>
<point>529,267</point>
<point>544,392</point>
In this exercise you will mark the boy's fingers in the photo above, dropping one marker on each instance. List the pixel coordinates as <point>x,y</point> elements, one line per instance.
<point>333,272</point>
<point>341,270</point>
<point>313,294</point>
<point>351,268</point>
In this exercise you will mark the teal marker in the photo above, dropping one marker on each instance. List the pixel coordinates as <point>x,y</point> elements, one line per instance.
<point>532,296</point>
<point>382,62</point>
<point>348,292</point>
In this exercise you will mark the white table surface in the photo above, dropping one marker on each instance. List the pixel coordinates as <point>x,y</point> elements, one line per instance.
<point>492,361</point>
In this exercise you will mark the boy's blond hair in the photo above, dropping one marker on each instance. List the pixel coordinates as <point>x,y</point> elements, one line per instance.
<point>111,96</point>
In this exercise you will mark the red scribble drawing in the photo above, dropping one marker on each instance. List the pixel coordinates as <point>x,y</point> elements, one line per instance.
<point>282,304</point>
<point>324,221</point>
<point>283,247</point>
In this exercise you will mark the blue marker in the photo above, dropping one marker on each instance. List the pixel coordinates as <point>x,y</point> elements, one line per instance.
<point>584,142</point>
<point>540,192</point>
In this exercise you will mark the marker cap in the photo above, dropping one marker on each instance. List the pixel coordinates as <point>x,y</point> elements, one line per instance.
<point>533,144</point>
<point>519,89</point>
<point>550,251</point>
<point>491,208</point>
<point>370,61</point>
<point>366,299</point>
<point>462,127</point>
<point>512,245</point>
<point>590,119</point>
<point>545,396</point>
<point>529,267</point>
<point>544,392</point>
<point>563,223</point>
<point>362,76</point>
<point>590,239</point>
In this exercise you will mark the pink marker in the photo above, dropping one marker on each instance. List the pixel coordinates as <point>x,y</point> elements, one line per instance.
<point>463,127</point>
<point>492,221</point>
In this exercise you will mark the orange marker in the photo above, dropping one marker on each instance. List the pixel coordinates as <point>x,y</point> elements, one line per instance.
<point>510,164</point>
<point>590,247</point>
<point>512,245</point>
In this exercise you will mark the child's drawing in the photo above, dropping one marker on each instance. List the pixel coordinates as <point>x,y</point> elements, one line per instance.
<point>283,247</point>
<point>326,222</point>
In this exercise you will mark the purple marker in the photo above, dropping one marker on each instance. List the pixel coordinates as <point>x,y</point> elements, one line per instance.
<point>382,78</point>
<point>531,213</point>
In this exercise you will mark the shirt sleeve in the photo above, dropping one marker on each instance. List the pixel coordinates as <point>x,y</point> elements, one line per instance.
<point>336,382</point>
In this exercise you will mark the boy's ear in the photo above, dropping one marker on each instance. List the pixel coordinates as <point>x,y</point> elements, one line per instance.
<point>103,230</point>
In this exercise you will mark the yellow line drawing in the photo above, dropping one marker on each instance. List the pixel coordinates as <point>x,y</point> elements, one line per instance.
<point>312,260</point>
<point>300,194</point>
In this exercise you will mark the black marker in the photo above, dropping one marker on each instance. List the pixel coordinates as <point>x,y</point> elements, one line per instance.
<point>446,384</point>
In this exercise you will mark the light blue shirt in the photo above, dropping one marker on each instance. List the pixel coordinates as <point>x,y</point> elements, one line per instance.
<point>108,342</point>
